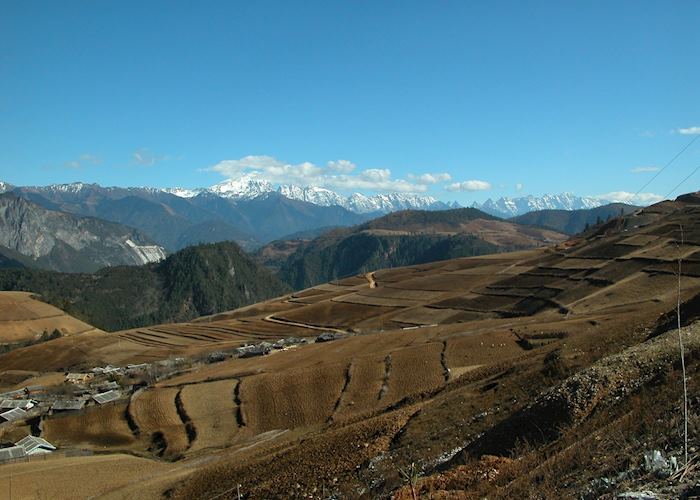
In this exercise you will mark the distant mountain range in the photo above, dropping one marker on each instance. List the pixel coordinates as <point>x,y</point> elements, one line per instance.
<point>574,221</point>
<point>249,187</point>
<point>512,207</point>
<point>175,222</point>
<point>31,235</point>
<point>249,210</point>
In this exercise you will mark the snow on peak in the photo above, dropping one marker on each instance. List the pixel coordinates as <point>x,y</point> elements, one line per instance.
<point>4,187</point>
<point>251,186</point>
<point>73,187</point>
<point>312,194</point>
<point>182,192</point>
<point>246,187</point>
<point>358,202</point>
<point>391,202</point>
<point>511,207</point>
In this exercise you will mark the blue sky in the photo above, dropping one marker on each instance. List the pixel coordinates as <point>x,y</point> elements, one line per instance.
<point>461,100</point>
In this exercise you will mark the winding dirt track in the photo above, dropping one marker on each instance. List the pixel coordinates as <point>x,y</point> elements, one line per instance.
<point>371,280</point>
<point>272,319</point>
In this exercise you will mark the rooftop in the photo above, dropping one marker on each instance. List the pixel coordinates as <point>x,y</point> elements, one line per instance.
<point>14,414</point>
<point>34,444</point>
<point>68,404</point>
<point>11,453</point>
<point>106,397</point>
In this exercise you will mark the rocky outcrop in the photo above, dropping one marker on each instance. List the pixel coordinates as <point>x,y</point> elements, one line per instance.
<point>65,242</point>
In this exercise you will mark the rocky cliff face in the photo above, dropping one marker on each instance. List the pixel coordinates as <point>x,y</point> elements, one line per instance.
<point>65,242</point>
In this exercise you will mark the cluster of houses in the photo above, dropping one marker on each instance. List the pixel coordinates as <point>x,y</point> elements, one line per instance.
<point>30,402</point>
<point>100,386</point>
<point>259,349</point>
<point>26,447</point>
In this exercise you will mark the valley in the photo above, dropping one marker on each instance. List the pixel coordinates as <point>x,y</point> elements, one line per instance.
<point>431,363</point>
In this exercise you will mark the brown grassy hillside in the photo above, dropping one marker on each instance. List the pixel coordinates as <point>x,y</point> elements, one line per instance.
<point>495,374</point>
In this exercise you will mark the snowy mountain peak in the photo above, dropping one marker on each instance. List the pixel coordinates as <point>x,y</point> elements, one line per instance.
<point>391,202</point>
<point>73,187</point>
<point>182,192</point>
<point>4,187</point>
<point>251,186</point>
<point>511,207</point>
<point>312,194</point>
<point>246,187</point>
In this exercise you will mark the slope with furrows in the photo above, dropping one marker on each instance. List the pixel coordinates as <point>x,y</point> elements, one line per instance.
<point>465,345</point>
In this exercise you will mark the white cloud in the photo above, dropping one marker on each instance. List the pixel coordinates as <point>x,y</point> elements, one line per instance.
<point>337,174</point>
<point>85,159</point>
<point>341,166</point>
<point>471,185</point>
<point>519,187</point>
<point>689,131</point>
<point>430,178</point>
<point>632,198</point>
<point>642,170</point>
<point>143,156</point>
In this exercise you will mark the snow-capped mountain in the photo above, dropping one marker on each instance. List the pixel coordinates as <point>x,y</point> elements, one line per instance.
<point>360,203</point>
<point>4,187</point>
<point>246,187</point>
<point>182,192</point>
<point>511,207</point>
<point>249,186</point>
<point>312,194</point>
<point>392,202</point>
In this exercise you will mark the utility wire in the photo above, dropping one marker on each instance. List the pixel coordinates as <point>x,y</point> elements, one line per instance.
<point>692,141</point>
<point>683,181</point>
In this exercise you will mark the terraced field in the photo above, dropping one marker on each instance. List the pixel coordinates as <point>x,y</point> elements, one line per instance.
<point>432,356</point>
<point>156,414</point>
<point>212,413</point>
<point>98,427</point>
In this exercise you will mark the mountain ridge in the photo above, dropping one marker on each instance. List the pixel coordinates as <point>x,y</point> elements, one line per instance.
<point>196,281</point>
<point>574,221</point>
<point>512,207</point>
<point>400,239</point>
<point>248,187</point>
<point>62,241</point>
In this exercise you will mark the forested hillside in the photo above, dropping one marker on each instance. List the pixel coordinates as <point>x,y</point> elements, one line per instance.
<point>406,238</point>
<point>196,281</point>
<point>574,221</point>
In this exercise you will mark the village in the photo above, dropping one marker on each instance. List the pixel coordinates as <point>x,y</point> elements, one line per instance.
<point>103,385</point>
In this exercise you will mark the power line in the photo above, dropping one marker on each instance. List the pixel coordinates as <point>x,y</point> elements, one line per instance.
<point>692,141</point>
<point>683,181</point>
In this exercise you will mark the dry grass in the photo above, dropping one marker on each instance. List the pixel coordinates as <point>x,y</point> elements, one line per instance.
<point>384,389</point>
<point>213,413</point>
<point>154,412</point>
<point>415,370</point>
<point>295,398</point>
<point>70,478</point>
<point>98,427</point>
<point>25,318</point>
